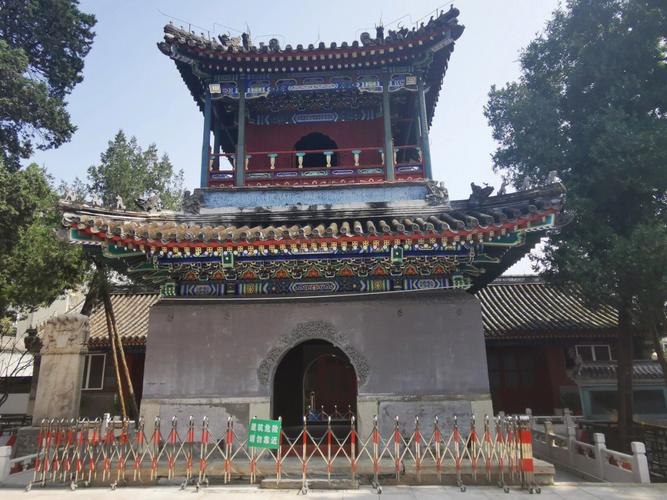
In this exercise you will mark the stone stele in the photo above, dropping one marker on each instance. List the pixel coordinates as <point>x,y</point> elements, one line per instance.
<point>64,347</point>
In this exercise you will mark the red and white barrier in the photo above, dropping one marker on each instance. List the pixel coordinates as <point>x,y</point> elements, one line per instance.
<point>103,452</point>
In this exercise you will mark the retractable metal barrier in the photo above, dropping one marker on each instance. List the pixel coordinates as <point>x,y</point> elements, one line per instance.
<point>112,453</point>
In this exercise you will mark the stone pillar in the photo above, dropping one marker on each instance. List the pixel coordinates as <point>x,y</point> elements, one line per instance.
<point>5,467</point>
<point>640,468</point>
<point>65,340</point>
<point>206,141</point>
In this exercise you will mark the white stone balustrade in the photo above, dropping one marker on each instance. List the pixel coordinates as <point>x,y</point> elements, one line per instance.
<point>6,462</point>
<point>593,461</point>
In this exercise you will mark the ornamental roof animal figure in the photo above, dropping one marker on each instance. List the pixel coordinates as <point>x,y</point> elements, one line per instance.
<point>274,45</point>
<point>552,177</point>
<point>150,204</point>
<point>479,193</point>
<point>503,188</point>
<point>437,193</point>
<point>119,203</point>
<point>191,202</point>
<point>69,194</point>
<point>95,200</point>
<point>365,39</point>
<point>235,43</point>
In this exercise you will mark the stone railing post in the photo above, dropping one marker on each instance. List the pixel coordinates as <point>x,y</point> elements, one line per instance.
<point>571,444</point>
<point>5,454</point>
<point>65,343</point>
<point>567,418</point>
<point>548,437</point>
<point>640,470</point>
<point>600,455</point>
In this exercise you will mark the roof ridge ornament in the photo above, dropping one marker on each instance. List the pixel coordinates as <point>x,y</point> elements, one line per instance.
<point>151,203</point>
<point>503,187</point>
<point>120,205</point>
<point>552,177</point>
<point>479,193</point>
<point>69,194</point>
<point>437,193</point>
<point>192,202</point>
<point>95,200</point>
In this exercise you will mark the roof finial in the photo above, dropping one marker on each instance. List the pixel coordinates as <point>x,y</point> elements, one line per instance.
<point>379,32</point>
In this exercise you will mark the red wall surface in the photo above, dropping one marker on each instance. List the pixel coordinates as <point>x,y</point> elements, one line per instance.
<point>352,134</point>
<point>520,379</point>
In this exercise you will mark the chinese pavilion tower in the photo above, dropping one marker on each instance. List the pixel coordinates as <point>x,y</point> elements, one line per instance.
<point>318,265</point>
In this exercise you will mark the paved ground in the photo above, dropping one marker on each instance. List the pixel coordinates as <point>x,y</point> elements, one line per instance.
<point>586,491</point>
<point>567,486</point>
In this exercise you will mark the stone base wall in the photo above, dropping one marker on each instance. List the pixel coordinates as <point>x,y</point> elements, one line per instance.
<point>416,343</point>
<point>414,354</point>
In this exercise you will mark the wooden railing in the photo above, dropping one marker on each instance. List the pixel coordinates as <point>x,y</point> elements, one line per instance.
<point>321,166</point>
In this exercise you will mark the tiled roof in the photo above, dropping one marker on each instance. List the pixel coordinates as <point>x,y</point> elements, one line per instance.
<point>642,369</point>
<point>493,216</point>
<point>522,307</point>
<point>398,48</point>
<point>131,313</point>
<point>511,308</point>
<point>219,48</point>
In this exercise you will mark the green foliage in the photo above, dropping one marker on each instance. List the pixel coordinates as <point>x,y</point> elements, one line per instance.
<point>591,103</point>
<point>35,266</point>
<point>42,47</point>
<point>127,170</point>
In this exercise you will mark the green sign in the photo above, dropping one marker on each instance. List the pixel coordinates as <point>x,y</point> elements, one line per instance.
<point>264,433</point>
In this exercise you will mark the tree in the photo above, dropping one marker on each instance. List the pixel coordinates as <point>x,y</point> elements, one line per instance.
<point>42,47</point>
<point>590,103</point>
<point>126,170</point>
<point>35,266</point>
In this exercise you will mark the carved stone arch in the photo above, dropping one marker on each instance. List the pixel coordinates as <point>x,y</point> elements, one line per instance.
<point>311,330</point>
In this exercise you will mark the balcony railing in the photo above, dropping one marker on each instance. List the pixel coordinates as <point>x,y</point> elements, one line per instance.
<point>316,167</point>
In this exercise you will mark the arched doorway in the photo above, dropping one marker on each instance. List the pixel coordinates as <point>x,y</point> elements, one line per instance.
<point>315,371</point>
<point>316,141</point>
